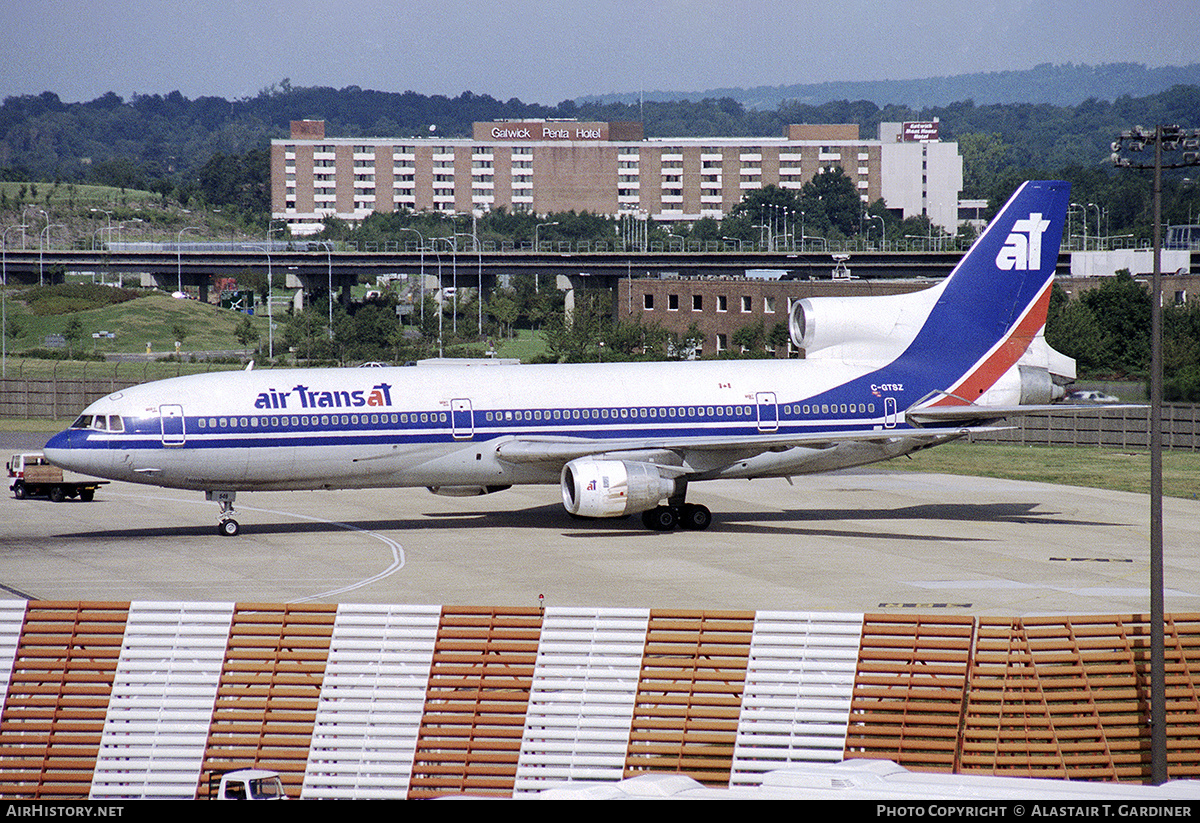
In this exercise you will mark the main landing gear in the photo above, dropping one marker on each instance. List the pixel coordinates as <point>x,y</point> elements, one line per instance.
<point>227,527</point>
<point>690,516</point>
<point>677,513</point>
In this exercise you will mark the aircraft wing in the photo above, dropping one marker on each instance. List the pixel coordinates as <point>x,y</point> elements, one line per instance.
<point>563,450</point>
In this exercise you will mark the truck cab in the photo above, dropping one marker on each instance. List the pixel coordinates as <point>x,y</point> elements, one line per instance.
<point>249,784</point>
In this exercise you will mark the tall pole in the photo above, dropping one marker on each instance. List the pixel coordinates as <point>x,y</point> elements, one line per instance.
<point>270,317</point>
<point>536,229</point>
<point>329,265</point>
<point>422,242</point>
<point>4,303</point>
<point>1158,667</point>
<point>179,255</point>
<point>42,239</point>
<point>1164,138</point>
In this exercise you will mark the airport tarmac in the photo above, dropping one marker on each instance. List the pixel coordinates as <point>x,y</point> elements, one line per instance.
<point>863,541</point>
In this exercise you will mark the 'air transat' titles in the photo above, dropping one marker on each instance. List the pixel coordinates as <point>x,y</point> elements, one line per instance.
<point>303,397</point>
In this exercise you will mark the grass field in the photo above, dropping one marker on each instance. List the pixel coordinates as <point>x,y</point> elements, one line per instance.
<point>1068,466</point>
<point>80,194</point>
<point>145,320</point>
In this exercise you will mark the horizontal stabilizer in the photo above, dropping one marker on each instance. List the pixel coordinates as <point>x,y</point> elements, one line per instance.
<point>949,415</point>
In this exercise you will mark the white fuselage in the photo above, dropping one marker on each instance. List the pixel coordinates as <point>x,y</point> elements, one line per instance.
<point>441,425</point>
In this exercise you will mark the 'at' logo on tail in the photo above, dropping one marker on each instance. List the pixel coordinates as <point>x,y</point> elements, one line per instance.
<point>1023,247</point>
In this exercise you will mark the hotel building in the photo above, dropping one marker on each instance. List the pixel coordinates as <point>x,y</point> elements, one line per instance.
<point>544,166</point>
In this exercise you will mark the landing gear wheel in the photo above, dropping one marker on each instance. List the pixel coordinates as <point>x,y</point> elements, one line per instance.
<point>226,525</point>
<point>695,517</point>
<point>661,519</point>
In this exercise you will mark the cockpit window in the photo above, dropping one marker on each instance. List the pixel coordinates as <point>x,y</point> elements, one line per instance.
<point>100,422</point>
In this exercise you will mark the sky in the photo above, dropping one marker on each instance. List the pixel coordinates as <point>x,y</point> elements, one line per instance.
<point>546,52</point>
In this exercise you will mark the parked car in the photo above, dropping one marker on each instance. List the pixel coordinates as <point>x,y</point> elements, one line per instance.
<point>1091,396</point>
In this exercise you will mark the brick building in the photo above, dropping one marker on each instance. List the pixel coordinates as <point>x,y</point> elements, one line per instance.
<point>721,306</point>
<point>544,166</point>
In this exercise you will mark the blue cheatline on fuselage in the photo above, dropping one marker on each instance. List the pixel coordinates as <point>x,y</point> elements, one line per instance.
<point>260,430</point>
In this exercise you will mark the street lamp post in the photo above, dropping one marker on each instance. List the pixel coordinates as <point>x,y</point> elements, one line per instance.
<point>1071,210</point>
<point>882,232</point>
<point>421,240</point>
<point>109,214</point>
<point>1163,138</point>
<point>536,229</point>
<point>270,316</point>
<point>179,256</point>
<point>329,264</point>
<point>42,249</point>
<point>4,302</point>
<point>458,234</point>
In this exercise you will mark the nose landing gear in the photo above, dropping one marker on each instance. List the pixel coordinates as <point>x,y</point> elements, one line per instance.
<point>227,526</point>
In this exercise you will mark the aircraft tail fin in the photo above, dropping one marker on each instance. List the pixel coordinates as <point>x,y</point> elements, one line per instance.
<point>993,305</point>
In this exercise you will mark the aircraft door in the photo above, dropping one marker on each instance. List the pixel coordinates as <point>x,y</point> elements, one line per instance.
<point>462,419</point>
<point>768,411</point>
<point>889,412</point>
<point>173,433</point>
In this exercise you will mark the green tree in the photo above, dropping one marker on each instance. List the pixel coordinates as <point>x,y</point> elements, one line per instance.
<point>576,339</point>
<point>1121,307</point>
<point>686,346</point>
<point>179,331</point>
<point>831,202</point>
<point>246,334</point>
<point>73,333</point>
<point>504,308</point>
<point>1073,330</point>
<point>984,158</point>
<point>750,338</point>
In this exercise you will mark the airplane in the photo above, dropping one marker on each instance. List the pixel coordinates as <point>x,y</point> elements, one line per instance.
<point>882,376</point>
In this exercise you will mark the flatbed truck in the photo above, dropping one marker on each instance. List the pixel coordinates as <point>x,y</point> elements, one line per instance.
<point>34,476</point>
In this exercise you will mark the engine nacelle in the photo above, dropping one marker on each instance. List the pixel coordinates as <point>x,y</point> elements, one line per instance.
<point>859,329</point>
<point>612,488</point>
<point>1024,386</point>
<point>465,491</point>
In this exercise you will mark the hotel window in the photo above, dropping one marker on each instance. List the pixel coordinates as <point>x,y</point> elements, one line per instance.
<point>648,302</point>
<point>697,302</point>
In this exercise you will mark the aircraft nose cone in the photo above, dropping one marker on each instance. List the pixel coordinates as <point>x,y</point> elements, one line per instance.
<point>61,446</point>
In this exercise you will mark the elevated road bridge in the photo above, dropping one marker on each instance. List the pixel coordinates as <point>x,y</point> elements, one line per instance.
<point>320,269</point>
